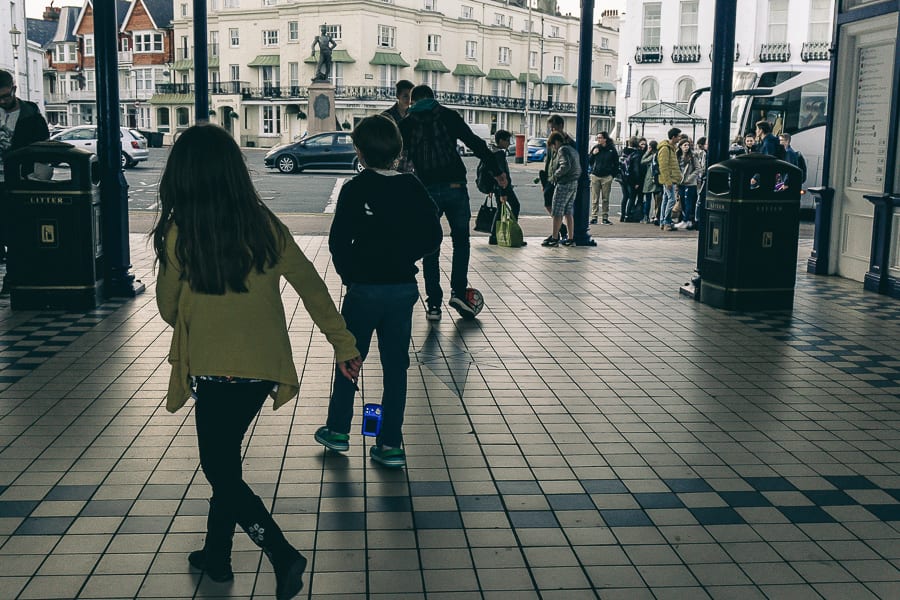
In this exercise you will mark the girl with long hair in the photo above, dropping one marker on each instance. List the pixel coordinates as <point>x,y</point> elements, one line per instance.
<point>689,163</point>
<point>221,256</point>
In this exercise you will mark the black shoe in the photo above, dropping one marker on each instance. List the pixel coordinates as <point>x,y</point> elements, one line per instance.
<point>593,221</point>
<point>220,573</point>
<point>550,242</point>
<point>607,222</point>
<point>568,242</point>
<point>524,243</point>
<point>289,570</point>
<point>563,231</point>
<point>492,241</point>
<point>462,306</point>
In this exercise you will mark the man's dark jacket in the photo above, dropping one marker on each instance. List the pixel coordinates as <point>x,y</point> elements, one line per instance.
<point>605,162</point>
<point>429,134</point>
<point>30,127</point>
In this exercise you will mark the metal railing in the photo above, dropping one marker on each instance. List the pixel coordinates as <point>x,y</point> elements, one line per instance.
<point>686,54</point>
<point>125,57</point>
<point>648,54</point>
<point>737,52</point>
<point>815,51</point>
<point>780,52</point>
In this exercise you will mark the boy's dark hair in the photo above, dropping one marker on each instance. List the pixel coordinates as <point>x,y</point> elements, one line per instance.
<point>378,141</point>
<point>764,126</point>
<point>421,92</point>
<point>224,229</point>
<point>6,79</point>
<point>501,134</point>
<point>701,141</point>
<point>673,133</point>
<point>652,144</point>
<point>403,85</point>
<point>556,120</point>
<point>555,137</point>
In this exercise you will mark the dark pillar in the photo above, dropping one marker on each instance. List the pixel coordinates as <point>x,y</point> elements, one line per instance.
<point>878,277</point>
<point>582,235</point>
<point>201,64</point>
<point>719,110</point>
<point>113,187</point>
<point>817,263</point>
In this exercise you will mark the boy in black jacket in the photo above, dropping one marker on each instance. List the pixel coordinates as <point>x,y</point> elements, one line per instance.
<point>384,222</point>
<point>502,139</point>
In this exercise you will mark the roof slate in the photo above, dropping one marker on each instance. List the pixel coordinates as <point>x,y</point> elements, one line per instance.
<point>40,31</point>
<point>161,11</point>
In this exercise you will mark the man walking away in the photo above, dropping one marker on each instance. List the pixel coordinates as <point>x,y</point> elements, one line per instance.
<point>430,132</point>
<point>669,176</point>
<point>795,157</point>
<point>604,163</point>
<point>21,124</point>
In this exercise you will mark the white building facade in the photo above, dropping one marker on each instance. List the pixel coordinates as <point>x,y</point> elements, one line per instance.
<point>666,50</point>
<point>486,59</point>
<point>26,61</point>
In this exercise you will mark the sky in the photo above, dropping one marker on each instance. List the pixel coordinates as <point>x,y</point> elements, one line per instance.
<point>35,8</point>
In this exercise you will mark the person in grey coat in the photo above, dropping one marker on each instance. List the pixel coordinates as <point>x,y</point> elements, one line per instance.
<point>564,171</point>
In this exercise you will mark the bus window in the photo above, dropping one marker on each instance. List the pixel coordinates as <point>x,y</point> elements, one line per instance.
<point>773,78</point>
<point>795,110</point>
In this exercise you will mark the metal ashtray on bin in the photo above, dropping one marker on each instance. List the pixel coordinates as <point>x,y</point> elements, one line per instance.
<point>751,221</point>
<point>55,257</point>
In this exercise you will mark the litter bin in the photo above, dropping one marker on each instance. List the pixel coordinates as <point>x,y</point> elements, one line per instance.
<point>751,220</point>
<point>154,138</point>
<point>55,249</point>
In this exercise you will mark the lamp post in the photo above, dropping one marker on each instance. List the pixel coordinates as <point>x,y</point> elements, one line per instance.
<point>14,37</point>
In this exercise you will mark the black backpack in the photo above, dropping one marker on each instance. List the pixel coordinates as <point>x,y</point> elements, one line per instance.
<point>484,181</point>
<point>624,166</point>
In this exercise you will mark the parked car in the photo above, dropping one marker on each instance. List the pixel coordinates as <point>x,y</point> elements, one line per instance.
<point>134,145</point>
<point>536,149</point>
<point>332,150</point>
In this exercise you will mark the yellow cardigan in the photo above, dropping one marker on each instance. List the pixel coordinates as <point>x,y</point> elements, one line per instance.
<point>243,334</point>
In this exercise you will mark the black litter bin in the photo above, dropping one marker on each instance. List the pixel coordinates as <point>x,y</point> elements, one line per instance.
<point>751,220</point>
<point>55,257</point>
<point>154,138</point>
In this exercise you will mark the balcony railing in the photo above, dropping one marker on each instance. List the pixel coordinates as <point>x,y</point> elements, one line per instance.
<point>815,51</point>
<point>370,93</point>
<point>686,54</point>
<point>780,52</point>
<point>648,54</point>
<point>125,57</point>
<point>737,52</point>
<point>182,53</point>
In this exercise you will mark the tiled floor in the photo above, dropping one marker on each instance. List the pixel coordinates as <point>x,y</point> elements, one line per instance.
<point>592,435</point>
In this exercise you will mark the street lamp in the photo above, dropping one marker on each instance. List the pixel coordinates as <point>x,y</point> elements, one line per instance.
<point>14,37</point>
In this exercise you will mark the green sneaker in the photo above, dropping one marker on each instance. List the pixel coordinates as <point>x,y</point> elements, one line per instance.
<point>339,442</point>
<point>392,457</point>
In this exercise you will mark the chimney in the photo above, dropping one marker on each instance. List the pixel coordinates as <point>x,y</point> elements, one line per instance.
<point>51,13</point>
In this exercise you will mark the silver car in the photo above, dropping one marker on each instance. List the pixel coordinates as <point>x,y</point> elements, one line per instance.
<point>134,145</point>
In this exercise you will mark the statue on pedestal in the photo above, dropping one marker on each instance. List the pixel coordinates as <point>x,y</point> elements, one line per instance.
<point>326,44</point>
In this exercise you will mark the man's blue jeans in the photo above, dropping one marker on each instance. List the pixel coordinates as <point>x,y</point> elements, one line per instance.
<point>452,200</point>
<point>668,203</point>
<point>384,309</point>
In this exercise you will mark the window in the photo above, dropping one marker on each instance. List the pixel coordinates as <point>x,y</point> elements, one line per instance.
<point>293,31</point>
<point>529,26</point>
<point>337,74</point>
<point>652,23</point>
<point>778,22</point>
<point>683,90</point>
<point>148,42</point>
<point>820,21</point>
<point>162,119</point>
<point>270,2</point>
<point>124,44</point>
<point>213,4</point>
<point>466,12</point>
<point>794,110</point>
<point>334,31</point>
<point>431,78</point>
<point>387,36</point>
<point>213,43</point>
<point>558,63</point>
<point>232,3</point>
<point>532,59</point>
<point>387,75</point>
<point>503,55</point>
<point>270,37</point>
<point>271,119</point>
<point>688,32</point>
<point>294,74</point>
<point>434,43</point>
<point>182,116</point>
<point>471,49</point>
<point>89,45</point>
<point>431,5</point>
<point>649,92</point>
<point>184,10</point>
<point>500,19</point>
<point>143,117</point>
<point>90,80</point>
<point>466,84</point>
<point>234,37</point>
<point>470,116</point>
<point>604,43</point>
<point>183,51</point>
<point>607,70</point>
<point>143,80</point>
<point>500,88</point>
<point>554,31</point>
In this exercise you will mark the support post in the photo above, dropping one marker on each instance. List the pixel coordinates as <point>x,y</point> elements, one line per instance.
<point>582,235</point>
<point>720,93</point>
<point>817,263</point>
<point>201,64</point>
<point>113,187</point>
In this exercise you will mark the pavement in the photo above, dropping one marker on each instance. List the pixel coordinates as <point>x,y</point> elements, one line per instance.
<point>593,434</point>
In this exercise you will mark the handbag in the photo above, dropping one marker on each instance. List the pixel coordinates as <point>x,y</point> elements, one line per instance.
<point>677,209</point>
<point>484,222</point>
<point>509,234</point>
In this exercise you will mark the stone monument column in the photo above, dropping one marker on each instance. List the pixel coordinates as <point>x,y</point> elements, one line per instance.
<point>320,116</point>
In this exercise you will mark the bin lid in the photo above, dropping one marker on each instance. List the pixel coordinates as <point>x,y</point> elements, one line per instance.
<point>49,149</point>
<point>754,176</point>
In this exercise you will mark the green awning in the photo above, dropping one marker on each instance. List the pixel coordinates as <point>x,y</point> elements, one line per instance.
<point>599,85</point>
<point>427,64</point>
<point>501,74</point>
<point>532,77</point>
<point>213,62</point>
<point>172,99</point>
<point>468,71</point>
<point>185,64</point>
<point>265,60</point>
<point>555,80</point>
<point>338,56</point>
<point>388,58</point>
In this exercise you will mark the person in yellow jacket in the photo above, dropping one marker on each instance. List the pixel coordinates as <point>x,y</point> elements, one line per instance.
<point>669,176</point>
<point>221,256</point>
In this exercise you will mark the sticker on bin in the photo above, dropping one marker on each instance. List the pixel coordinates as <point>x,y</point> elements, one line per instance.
<point>371,424</point>
<point>48,234</point>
